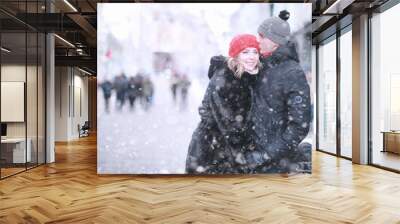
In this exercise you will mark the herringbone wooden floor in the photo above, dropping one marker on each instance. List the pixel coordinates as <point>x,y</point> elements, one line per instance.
<point>70,191</point>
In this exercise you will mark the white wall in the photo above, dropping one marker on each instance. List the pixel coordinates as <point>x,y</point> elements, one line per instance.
<point>16,73</point>
<point>71,93</point>
<point>80,94</point>
<point>33,126</point>
<point>12,73</point>
<point>62,81</point>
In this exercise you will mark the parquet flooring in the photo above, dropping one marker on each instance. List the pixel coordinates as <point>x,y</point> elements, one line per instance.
<point>70,191</point>
<point>10,171</point>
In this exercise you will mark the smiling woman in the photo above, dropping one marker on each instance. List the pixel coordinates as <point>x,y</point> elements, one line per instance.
<point>222,142</point>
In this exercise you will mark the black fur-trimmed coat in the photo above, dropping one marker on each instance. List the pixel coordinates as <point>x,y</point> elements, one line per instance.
<point>223,136</point>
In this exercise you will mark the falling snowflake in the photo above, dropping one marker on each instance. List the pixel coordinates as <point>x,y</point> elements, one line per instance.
<point>239,118</point>
<point>200,169</point>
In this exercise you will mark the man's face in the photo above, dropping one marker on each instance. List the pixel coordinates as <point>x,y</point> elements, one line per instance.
<point>267,46</point>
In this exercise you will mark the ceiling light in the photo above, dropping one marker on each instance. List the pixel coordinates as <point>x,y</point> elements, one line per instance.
<point>331,7</point>
<point>70,5</point>
<point>337,7</point>
<point>5,50</point>
<point>64,40</point>
<point>84,71</point>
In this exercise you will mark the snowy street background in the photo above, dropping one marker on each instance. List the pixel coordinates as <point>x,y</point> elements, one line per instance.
<point>153,141</point>
<point>165,43</point>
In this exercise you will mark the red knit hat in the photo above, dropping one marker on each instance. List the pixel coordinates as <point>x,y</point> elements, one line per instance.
<point>242,41</point>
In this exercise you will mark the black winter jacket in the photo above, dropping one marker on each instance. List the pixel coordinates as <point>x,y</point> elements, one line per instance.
<point>223,135</point>
<point>282,109</point>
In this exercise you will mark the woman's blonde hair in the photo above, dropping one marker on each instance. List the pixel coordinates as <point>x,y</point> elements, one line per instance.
<point>237,68</point>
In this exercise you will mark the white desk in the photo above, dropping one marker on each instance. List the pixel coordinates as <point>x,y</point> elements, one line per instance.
<point>19,155</point>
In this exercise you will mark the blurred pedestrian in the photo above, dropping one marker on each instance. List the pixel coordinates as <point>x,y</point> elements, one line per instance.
<point>106,87</point>
<point>174,80</point>
<point>184,84</point>
<point>132,92</point>
<point>121,88</point>
<point>139,78</point>
<point>148,92</point>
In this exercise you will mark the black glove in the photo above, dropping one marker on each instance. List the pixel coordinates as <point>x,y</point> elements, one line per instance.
<point>216,62</point>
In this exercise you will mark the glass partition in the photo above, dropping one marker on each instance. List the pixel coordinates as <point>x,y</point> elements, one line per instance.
<point>385,89</point>
<point>41,109</point>
<point>15,151</point>
<point>32,96</point>
<point>346,94</point>
<point>23,91</point>
<point>327,96</point>
<point>32,85</point>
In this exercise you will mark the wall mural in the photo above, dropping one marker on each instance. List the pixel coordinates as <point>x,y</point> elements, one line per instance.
<point>204,88</point>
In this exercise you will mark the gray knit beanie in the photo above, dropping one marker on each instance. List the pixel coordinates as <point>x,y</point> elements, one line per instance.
<point>276,29</point>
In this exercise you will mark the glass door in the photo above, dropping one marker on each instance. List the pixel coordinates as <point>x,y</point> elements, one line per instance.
<point>327,96</point>
<point>346,93</point>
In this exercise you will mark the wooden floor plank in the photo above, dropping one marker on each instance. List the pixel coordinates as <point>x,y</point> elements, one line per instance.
<point>70,191</point>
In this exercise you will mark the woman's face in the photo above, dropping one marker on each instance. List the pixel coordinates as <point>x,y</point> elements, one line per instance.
<point>248,58</point>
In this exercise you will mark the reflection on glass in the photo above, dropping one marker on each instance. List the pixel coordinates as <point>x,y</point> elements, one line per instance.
<point>386,89</point>
<point>31,101</point>
<point>346,94</point>
<point>327,97</point>
<point>41,98</point>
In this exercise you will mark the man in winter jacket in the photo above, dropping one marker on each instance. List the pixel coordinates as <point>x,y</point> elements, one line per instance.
<point>282,106</point>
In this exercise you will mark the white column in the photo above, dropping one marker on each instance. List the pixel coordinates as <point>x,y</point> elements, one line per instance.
<point>360,90</point>
<point>50,93</point>
<point>50,110</point>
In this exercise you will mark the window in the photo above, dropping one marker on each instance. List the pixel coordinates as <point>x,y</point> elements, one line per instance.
<point>385,89</point>
<point>327,96</point>
<point>346,94</point>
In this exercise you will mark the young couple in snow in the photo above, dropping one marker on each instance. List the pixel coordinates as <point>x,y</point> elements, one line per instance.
<point>256,110</point>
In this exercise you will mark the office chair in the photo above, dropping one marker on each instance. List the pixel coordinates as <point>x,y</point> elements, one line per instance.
<point>84,130</point>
